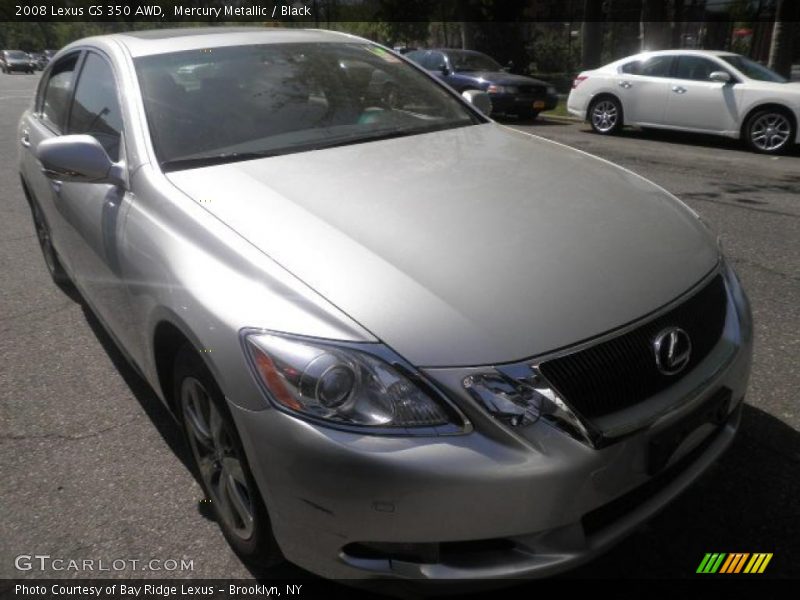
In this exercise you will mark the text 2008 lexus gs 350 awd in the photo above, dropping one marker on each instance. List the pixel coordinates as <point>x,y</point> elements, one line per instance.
<point>402,339</point>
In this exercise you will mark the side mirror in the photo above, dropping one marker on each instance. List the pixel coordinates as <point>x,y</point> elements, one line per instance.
<point>444,70</point>
<point>720,76</point>
<point>79,159</point>
<point>479,100</point>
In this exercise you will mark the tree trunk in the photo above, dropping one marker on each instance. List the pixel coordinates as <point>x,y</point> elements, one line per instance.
<point>655,29</point>
<point>592,34</point>
<point>782,47</point>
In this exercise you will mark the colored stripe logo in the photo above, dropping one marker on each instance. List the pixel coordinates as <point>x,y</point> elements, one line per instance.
<point>735,562</point>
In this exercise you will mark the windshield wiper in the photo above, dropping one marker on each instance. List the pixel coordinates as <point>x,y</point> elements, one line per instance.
<point>195,162</point>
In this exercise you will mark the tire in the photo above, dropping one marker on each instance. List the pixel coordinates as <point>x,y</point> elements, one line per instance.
<point>770,131</point>
<point>219,461</point>
<point>51,261</point>
<point>605,115</point>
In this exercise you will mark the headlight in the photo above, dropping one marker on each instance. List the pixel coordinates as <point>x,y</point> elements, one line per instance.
<point>519,396</point>
<point>344,385</point>
<point>501,89</point>
<point>551,91</point>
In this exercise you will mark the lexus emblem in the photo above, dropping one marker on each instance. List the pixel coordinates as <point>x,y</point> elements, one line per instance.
<point>672,348</point>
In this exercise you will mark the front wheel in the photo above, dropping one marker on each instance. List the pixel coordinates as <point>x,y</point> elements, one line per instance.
<point>605,116</point>
<point>220,461</point>
<point>769,131</point>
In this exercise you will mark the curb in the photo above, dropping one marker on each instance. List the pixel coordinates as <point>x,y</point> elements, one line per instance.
<point>560,118</point>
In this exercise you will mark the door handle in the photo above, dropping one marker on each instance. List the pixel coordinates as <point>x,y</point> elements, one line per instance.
<point>625,84</point>
<point>25,140</point>
<point>678,89</point>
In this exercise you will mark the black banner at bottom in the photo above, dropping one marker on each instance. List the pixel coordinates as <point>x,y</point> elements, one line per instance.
<point>312,589</point>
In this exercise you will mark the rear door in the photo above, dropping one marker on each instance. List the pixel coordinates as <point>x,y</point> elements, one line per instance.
<point>643,86</point>
<point>696,102</point>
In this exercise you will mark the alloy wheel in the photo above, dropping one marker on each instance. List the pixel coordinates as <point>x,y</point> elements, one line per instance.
<point>217,459</point>
<point>605,115</point>
<point>770,132</point>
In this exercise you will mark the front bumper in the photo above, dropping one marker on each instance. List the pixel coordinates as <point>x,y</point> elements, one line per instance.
<point>497,504</point>
<point>22,67</point>
<point>517,104</point>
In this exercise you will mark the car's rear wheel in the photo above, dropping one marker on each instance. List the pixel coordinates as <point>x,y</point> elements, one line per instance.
<point>605,115</point>
<point>769,131</point>
<point>220,462</point>
<point>51,261</point>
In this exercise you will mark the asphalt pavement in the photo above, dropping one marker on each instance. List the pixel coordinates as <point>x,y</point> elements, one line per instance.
<point>93,468</point>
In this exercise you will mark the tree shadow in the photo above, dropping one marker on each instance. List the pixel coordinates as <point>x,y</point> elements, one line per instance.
<point>685,138</point>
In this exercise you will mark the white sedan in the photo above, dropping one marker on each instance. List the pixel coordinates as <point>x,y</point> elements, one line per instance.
<point>691,90</point>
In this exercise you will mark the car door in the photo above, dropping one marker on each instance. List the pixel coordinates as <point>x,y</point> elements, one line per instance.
<point>46,120</point>
<point>695,102</point>
<point>643,86</point>
<point>94,212</point>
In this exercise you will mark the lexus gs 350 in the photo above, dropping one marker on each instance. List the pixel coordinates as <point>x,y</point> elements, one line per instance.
<point>402,340</point>
<point>691,90</point>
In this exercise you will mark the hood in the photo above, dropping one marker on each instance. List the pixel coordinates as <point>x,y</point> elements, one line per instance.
<point>472,246</point>
<point>502,78</point>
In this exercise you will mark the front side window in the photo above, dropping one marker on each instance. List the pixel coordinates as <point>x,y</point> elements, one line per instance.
<point>752,69</point>
<point>95,109</point>
<point>235,103</point>
<point>696,68</point>
<point>57,91</point>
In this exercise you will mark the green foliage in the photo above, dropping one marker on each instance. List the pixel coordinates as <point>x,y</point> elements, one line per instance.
<point>554,50</point>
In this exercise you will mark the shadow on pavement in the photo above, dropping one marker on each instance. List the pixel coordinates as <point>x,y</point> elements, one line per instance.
<point>693,139</point>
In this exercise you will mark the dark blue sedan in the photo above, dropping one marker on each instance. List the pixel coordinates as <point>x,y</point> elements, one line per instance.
<point>464,70</point>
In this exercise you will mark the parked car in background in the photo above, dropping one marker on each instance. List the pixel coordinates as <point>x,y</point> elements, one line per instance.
<point>15,61</point>
<point>462,70</point>
<point>402,341</point>
<point>691,90</point>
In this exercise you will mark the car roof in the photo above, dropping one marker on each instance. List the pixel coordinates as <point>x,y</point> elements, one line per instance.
<point>160,41</point>
<point>688,52</point>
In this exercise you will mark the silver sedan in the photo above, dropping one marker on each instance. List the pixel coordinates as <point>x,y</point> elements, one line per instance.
<point>402,340</point>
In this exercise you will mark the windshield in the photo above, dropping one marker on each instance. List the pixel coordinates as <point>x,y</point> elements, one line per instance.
<point>16,55</point>
<point>752,69</point>
<point>236,103</point>
<point>472,61</point>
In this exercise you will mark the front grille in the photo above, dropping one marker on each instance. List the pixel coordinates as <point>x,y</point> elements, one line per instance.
<point>534,90</point>
<point>622,371</point>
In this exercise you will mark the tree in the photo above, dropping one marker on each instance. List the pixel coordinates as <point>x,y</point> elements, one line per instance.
<point>781,51</point>
<point>655,28</point>
<point>592,34</point>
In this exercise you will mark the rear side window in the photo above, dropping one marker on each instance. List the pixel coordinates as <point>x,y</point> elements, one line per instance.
<point>655,66</point>
<point>96,110</point>
<point>57,91</point>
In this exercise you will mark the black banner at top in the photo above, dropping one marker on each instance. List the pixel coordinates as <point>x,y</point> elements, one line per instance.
<point>319,12</point>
